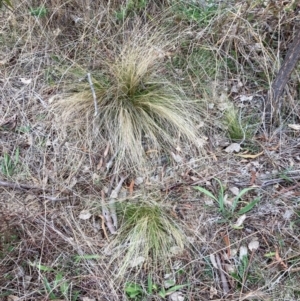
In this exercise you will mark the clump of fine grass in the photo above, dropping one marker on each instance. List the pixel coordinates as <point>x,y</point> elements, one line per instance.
<point>147,236</point>
<point>135,102</point>
<point>235,128</point>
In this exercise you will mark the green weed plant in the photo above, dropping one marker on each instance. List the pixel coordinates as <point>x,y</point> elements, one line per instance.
<point>9,165</point>
<point>220,199</point>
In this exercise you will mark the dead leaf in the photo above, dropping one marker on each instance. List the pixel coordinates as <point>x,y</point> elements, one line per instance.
<point>175,250</point>
<point>239,222</point>
<point>100,163</point>
<point>88,299</point>
<point>227,243</point>
<point>234,190</point>
<point>131,188</point>
<point>246,98</point>
<point>212,292</point>
<point>213,261</point>
<point>4,61</point>
<point>177,158</point>
<point>234,147</point>
<point>13,298</point>
<point>253,245</point>
<point>246,156</point>
<point>138,180</point>
<point>25,81</point>
<point>243,252</point>
<point>295,127</point>
<point>177,296</point>
<point>170,282</point>
<point>27,281</point>
<point>85,214</point>
<point>253,177</point>
<point>106,150</point>
<point>95,177</point>
<point>137,261</point>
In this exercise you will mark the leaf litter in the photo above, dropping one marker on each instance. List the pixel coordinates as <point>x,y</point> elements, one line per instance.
<point>54,225</point>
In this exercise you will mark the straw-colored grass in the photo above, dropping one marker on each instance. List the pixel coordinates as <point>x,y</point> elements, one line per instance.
<point>136,104</point>
<point>148,235</point>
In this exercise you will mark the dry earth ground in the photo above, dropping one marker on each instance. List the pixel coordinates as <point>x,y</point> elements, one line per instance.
<point>53,241</point>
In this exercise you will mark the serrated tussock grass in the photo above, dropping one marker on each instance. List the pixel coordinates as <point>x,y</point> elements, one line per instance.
<point>148,233</point>
<point>136,102</point>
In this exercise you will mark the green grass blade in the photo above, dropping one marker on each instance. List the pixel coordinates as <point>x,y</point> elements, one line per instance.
<point>221,196</point>
<point>175,288</point>
<point>58,278</point>
<point>49,290</point>
<point>236,200</point>
<point>41,267</point>
<point>207,193</point>
<point>150,285</point>
<point>64,287</point>
<point>248,207</point>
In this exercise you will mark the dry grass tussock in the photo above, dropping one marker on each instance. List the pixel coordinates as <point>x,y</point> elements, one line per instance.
<point>135,107</point>
<point>149,236</point>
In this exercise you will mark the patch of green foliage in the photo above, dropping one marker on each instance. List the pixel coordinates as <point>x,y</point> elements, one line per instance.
<point>9,165</point>
<point>221,197</point>
<point>136,292</point>
<point>192,11</point>
<point>38,12</point>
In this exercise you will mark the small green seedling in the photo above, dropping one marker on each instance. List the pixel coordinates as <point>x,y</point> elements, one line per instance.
<point>8,165</point>
<point>201,14</point>
<point>137,292</point>
<point>39,12</point>
<point>133,290</point>
<point>130,7</point>
<point>241,273</point>
<point>221,198</point>
<point>59,287</point>
<point>235,128</point>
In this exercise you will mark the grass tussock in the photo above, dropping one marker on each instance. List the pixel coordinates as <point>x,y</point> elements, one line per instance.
<point>136,103</point>
<point>236,130</point>
<point>148,235</point>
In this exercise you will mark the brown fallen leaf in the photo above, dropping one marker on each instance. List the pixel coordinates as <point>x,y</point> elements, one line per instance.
<point>103,226</point>
<point>131,188</point>
<point>246,156</point>
<point>253,177</point>
<point>227,243</point>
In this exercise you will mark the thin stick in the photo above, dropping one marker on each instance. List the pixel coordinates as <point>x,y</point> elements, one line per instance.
<point>112,200</point>
<point>93,93</point>
<point>33,190</point>
<point>103,226</point>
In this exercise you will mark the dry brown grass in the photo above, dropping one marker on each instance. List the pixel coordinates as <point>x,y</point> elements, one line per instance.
<point>137,108</point>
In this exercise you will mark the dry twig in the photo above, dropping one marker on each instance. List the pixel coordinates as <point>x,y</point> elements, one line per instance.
<point>93,93</point>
